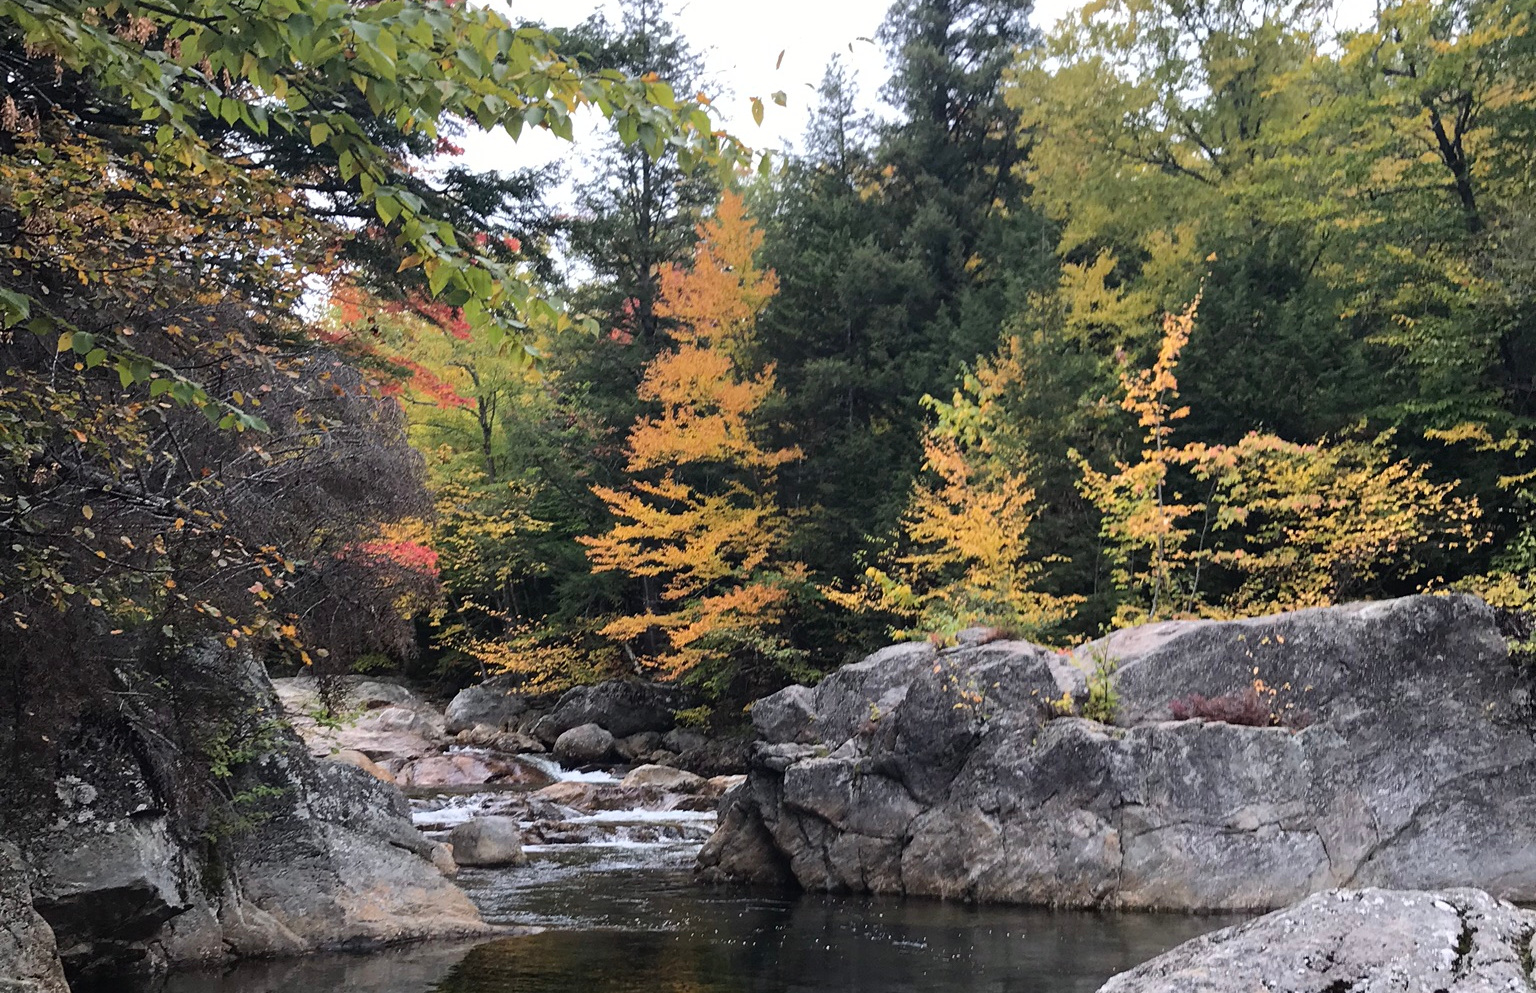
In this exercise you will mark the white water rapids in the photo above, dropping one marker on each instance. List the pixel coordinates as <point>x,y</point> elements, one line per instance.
<point>642,821</point>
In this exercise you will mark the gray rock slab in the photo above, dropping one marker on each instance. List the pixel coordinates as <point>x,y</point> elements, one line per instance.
<point>950,773</point>
<point>1359,941</point>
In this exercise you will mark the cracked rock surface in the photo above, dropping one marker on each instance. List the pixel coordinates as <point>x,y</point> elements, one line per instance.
<point>947,773</point>
<point>28,963</point>
<point>1355,941</point>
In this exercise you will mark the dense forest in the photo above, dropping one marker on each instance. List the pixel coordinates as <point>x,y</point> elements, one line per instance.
<point>1253,329</point>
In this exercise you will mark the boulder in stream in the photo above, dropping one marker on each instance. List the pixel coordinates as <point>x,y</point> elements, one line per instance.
<point>583,745</point>
<point>488,841</point>
<point>621,706</point>
<point>665,778</point>
<point>1395,750</point>
<point>637,747</point>
<point>510,742</point>
<point>469,769</point>
<point>1359,941</point>
<point>490,704</point>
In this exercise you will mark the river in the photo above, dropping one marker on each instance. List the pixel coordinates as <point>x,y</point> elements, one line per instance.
<point>621,914</point>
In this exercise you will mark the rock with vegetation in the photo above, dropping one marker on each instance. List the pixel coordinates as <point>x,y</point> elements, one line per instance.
<point>140,865</point>
<point>385,721</point>
<point>1385,744</point>
<point>1362,941</point>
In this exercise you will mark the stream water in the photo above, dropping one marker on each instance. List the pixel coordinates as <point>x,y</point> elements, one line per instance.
<point>622,915</point>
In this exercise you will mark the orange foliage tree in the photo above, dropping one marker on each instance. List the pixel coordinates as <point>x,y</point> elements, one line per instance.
<point>697,525</point>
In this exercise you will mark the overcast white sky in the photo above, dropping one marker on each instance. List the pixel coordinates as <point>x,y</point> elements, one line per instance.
<point>741,43</point>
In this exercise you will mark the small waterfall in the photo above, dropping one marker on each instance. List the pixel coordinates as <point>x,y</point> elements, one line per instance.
<point>560,774</point>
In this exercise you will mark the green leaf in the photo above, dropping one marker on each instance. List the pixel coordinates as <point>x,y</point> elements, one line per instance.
<point>14,308</point>
<point>387,206</point>
<point>438,274</point>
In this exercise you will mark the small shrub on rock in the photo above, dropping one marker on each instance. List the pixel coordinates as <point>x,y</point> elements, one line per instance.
<point>1102,704</point>
<point>1243,708</point>
<point>1063,706</point>
<point>1253,707</point>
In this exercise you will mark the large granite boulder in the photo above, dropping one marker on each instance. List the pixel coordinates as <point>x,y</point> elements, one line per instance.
<point>844,702</point>
<point>1403,759</point>
<point>621,706</point>
<point>1359,941</point>
<point>141,865</point>
<point>491,704</point>
<point>29,962</point>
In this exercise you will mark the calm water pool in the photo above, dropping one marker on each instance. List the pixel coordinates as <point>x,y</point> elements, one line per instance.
<point>627,919</point>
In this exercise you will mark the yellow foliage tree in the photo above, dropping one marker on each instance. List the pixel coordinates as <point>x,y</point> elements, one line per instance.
<point>1147,526</point>
<point>697,524</point>
<point>1293,525</point>
<point>965,555</point>
<point>1318,524</point>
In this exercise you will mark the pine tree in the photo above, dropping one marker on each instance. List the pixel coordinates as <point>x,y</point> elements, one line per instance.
<point>901,252</point>
<point>637,211</point>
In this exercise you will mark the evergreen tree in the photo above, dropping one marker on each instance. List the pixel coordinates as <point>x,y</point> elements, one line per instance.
<point>901,250</point>
<point>636,213</point>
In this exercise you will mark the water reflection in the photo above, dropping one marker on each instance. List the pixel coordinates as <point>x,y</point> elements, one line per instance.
<point>822,945</point>
<point>414,969</point>
<point>624,928</point>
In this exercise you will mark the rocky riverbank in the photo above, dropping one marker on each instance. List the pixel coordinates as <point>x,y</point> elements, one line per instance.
<point>488,733</point>
<point>1237,765</point>
<point>139,859</point>
<point>300,838</point>
<point>1392,748</point>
